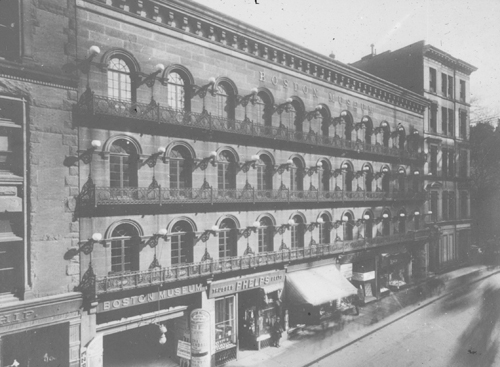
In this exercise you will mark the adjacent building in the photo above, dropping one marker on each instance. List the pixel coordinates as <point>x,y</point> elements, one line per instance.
<point>445,81</point>
<point>40,313</point>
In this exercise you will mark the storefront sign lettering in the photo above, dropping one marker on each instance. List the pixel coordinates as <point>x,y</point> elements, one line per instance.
<point>235,285</point>
<point>149,297</point>
<point>183,349</point>
<point>307,90</point>
<point>11,318</point>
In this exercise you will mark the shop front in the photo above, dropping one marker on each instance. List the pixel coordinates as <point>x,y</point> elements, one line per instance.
<point>143,329</point>
<point>41,332</point>
<point>395,269</point>
<point>316,293</point>
<point>363,278</point>
<point>246,308</point>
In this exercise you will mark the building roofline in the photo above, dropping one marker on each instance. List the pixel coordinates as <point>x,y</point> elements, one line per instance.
<point>276,42</point>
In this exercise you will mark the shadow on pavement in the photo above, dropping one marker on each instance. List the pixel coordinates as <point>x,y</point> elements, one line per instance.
<point>477,346</point>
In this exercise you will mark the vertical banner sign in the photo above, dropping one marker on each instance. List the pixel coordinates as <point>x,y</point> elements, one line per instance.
<point>200,338</point>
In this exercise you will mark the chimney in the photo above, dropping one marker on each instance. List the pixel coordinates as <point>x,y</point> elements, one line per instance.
<point>373,49</point>
<point>332,55</point>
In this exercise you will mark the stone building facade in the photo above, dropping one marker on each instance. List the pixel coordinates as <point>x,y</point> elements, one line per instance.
<point>181,166</point>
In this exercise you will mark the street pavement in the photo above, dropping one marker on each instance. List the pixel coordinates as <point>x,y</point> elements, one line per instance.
<point>459,330</point>
<point>450,320</point>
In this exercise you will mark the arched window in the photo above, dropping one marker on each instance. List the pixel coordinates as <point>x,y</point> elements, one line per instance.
<point>228,240</point>
<point>119,80</point>
<point>368,129</point>
<point>367,169</point>
<point>324,176</point>
<point>401,137</point>
<point>299,116</point>
<point>386,223</point>
<point>123,164</point>
<point>288,117</point>
<point>124,252</point>
<point>226,171</point>
<point>265,173</point>
<point>348,123</point>
<point>368,218</point>
<point>324,230</point>
<point>297,233</point>
<point>348,176</point>
<point>224,101</point>
<point>386,179</point>
<point>297,175</point>
<point>263,109</point>
<point>348,226</point>
<point>386,133</point>
<point>266,235</point>
<point>325,123</point>
<point>402,180</point>
<point>402,222</point>
<point>177,91</point>
<point>181,248</point>
<point>180,169</point>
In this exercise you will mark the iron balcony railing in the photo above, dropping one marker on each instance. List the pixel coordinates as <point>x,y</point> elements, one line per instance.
<point>156,276</point>
<point>102,196</point>
<point>99,105</point>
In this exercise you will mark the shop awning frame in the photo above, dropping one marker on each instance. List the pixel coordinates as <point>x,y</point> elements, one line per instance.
<point>317,286</point>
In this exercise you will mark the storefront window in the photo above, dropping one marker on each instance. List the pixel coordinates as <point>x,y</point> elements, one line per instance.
<point>224,323</point>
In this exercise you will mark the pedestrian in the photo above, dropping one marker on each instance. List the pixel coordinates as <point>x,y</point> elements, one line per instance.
<point>357,300</point>
<point>276,333</point>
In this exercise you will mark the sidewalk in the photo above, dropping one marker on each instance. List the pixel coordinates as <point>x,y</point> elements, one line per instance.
<point>313,342</point>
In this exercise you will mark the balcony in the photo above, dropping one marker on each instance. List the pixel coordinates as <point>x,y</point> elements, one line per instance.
<point>158,276</point>
<point>107,196</point>
<point>91,104</point>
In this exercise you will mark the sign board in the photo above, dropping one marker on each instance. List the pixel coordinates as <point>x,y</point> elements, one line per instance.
<point>363,277</point>
<point>200,332</point>
<point>234,285</point>
<point>346,270</point>
<point>149,297</point>
<point>183,349</point>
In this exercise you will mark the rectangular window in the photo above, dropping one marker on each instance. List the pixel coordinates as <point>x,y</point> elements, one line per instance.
<point>433,118</point>
<point>433,163</point>
<point>225,333</point>
<point>445,205</point>
<point>462,90</point>
<point>451,163</point>
<point>444,163</point>
<point>463,124</point>
<point>444,120</point>
<point>451,205</point>
<point>434,205</point>
<point>10,45</point>
<point>444,84</point>
<point>432,80</point>
<point>464,205</point>
<point>450,86</point>
<point>451,122</point>
<point>464,157</point>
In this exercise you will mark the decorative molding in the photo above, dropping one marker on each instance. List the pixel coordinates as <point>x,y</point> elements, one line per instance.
<point>336,73</point>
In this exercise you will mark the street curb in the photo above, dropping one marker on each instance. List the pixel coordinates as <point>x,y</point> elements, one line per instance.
<point>446,293</point>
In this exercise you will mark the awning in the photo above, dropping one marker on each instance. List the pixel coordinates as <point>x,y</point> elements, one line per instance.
<point>317,286</point>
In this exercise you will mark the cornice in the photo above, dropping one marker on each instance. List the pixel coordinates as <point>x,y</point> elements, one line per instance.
<point>438,55</point>
<point>213,27</point>
<point>27,74</point>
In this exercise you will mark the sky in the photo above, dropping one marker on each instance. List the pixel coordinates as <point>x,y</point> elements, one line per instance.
<point>466,29</point>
